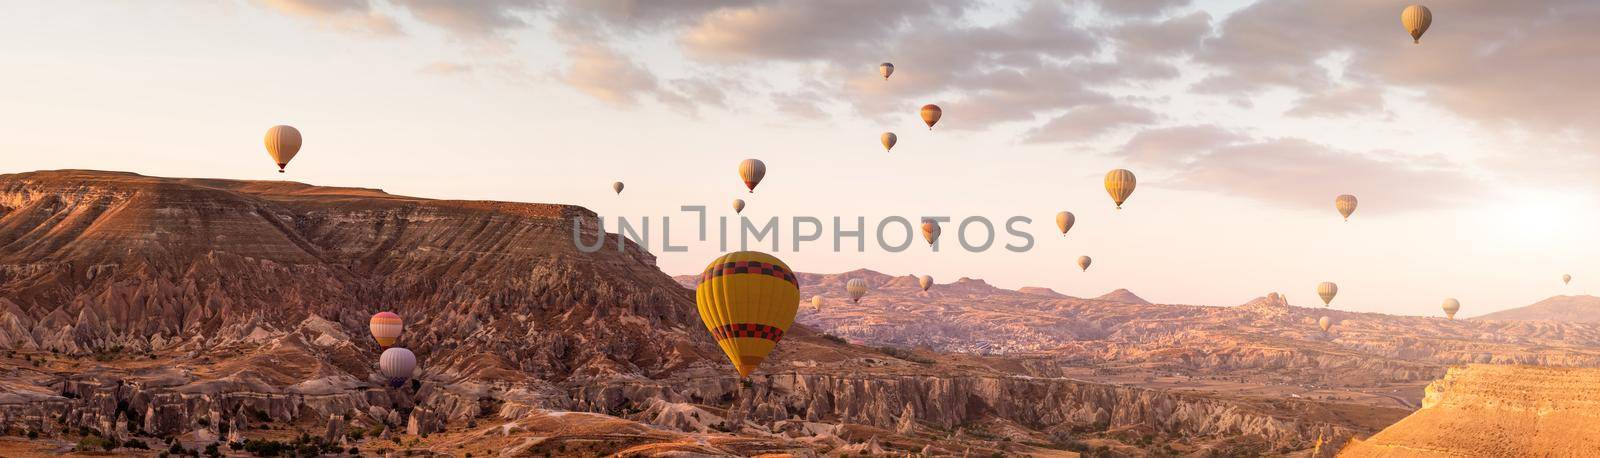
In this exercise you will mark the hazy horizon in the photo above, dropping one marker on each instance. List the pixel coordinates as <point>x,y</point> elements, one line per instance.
<point>1469,152</point>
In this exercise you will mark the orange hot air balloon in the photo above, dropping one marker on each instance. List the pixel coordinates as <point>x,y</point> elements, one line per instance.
<point>751,171</point>
<point>1120,184</point>
<point>888,139</point>
<point>283,142</point>
<point>930,230</point>
<point>386,327</point>
<point>931,114</point>
<point>747,300</point>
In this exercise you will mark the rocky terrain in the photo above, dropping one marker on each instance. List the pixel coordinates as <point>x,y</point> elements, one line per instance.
<point>1483,410</point>
<point>178,314</point>
<point>1564,309</point>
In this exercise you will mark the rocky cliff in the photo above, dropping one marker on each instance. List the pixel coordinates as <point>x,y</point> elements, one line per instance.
<point>1483,410</point>
<point>203,310</point>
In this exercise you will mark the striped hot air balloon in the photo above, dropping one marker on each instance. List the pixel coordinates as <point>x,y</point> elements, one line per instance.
<point>751,171</point>
<point>1416,19</point>
<point>283,142</point>
<point>856,288</point>
<point>1120,184</point>
<point>386,327</point>
<point>1346,204</point>
<point>1327,290</point>
<point>747,300</point>
<point>397,364</point>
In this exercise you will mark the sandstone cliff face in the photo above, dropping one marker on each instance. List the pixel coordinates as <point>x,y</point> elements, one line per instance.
<point>1483,410</point>
<point>214,309</point>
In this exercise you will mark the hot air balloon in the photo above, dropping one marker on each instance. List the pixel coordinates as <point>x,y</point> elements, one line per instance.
<point>886,69</point>
<point>1346,204</point>
<point>926,281</point>
<point>738,205</point>
<point>930,230</point>
<point>931,114</point>
<point>1120,184</point>
<point>816,301</point>
<point>386,327</point>
<point>888,139</point>
<point>751,171</point>
<point>1083,263</point>
<point>1325,323</point>
<point>1566,279</point>
<point>1416,19</point>
<point>747,300</point>
<point>1327,290</point>
<point>1064,221</point>
<point>283,142</point>
<point>617,186</point>
<point>857,288</point>
<point>1451,306</point>
<point>397,364</point>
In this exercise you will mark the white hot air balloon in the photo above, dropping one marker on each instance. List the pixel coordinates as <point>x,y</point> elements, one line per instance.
<point>397,364</point>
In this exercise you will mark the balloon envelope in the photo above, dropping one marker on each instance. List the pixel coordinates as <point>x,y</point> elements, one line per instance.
<point>1566,279</point>
<point>1120,184</point>
<point>738,205</point>
<point>1346,204</point>
<point>617,186</point>
<point>1416,19</point>
<point>386,327</point>
<point>888,139</point>
<point>930,230</point>
<point>397,364</point>
<point>283,142</point>
<point>926,281</point>
<point>1451,306</point>
<point>886,69</point>
<point>1325,323</point>
<point>751,171</point>
<point>747,300</point>
<point>1327,290</point>
<point>1083,263</point>
<point>931,114</point>
<point>1064,221</point>
<point>816,301</point>
<point>856,288</point>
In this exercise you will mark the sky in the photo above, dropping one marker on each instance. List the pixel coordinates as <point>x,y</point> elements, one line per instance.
<point>1472,153</point>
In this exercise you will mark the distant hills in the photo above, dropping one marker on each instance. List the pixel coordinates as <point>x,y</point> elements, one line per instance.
<point>1569,309</point>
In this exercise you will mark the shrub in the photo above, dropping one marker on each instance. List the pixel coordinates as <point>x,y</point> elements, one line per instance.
<point>135,443</point>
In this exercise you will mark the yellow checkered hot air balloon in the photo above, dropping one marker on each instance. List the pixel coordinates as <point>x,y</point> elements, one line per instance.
<point>747,300</point>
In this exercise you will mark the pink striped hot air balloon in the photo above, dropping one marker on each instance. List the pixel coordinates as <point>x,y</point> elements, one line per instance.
<point>386,327</point>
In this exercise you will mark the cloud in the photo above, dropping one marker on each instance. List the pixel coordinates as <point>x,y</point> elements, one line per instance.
<point>1139,8</point>
<point>605,74</point>
<point>1293,172</point>
<point>1089,122</point>
<point>344,15</point>
<point>1502,63</point>
<point>445,69</point>
<point>471,18</point>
